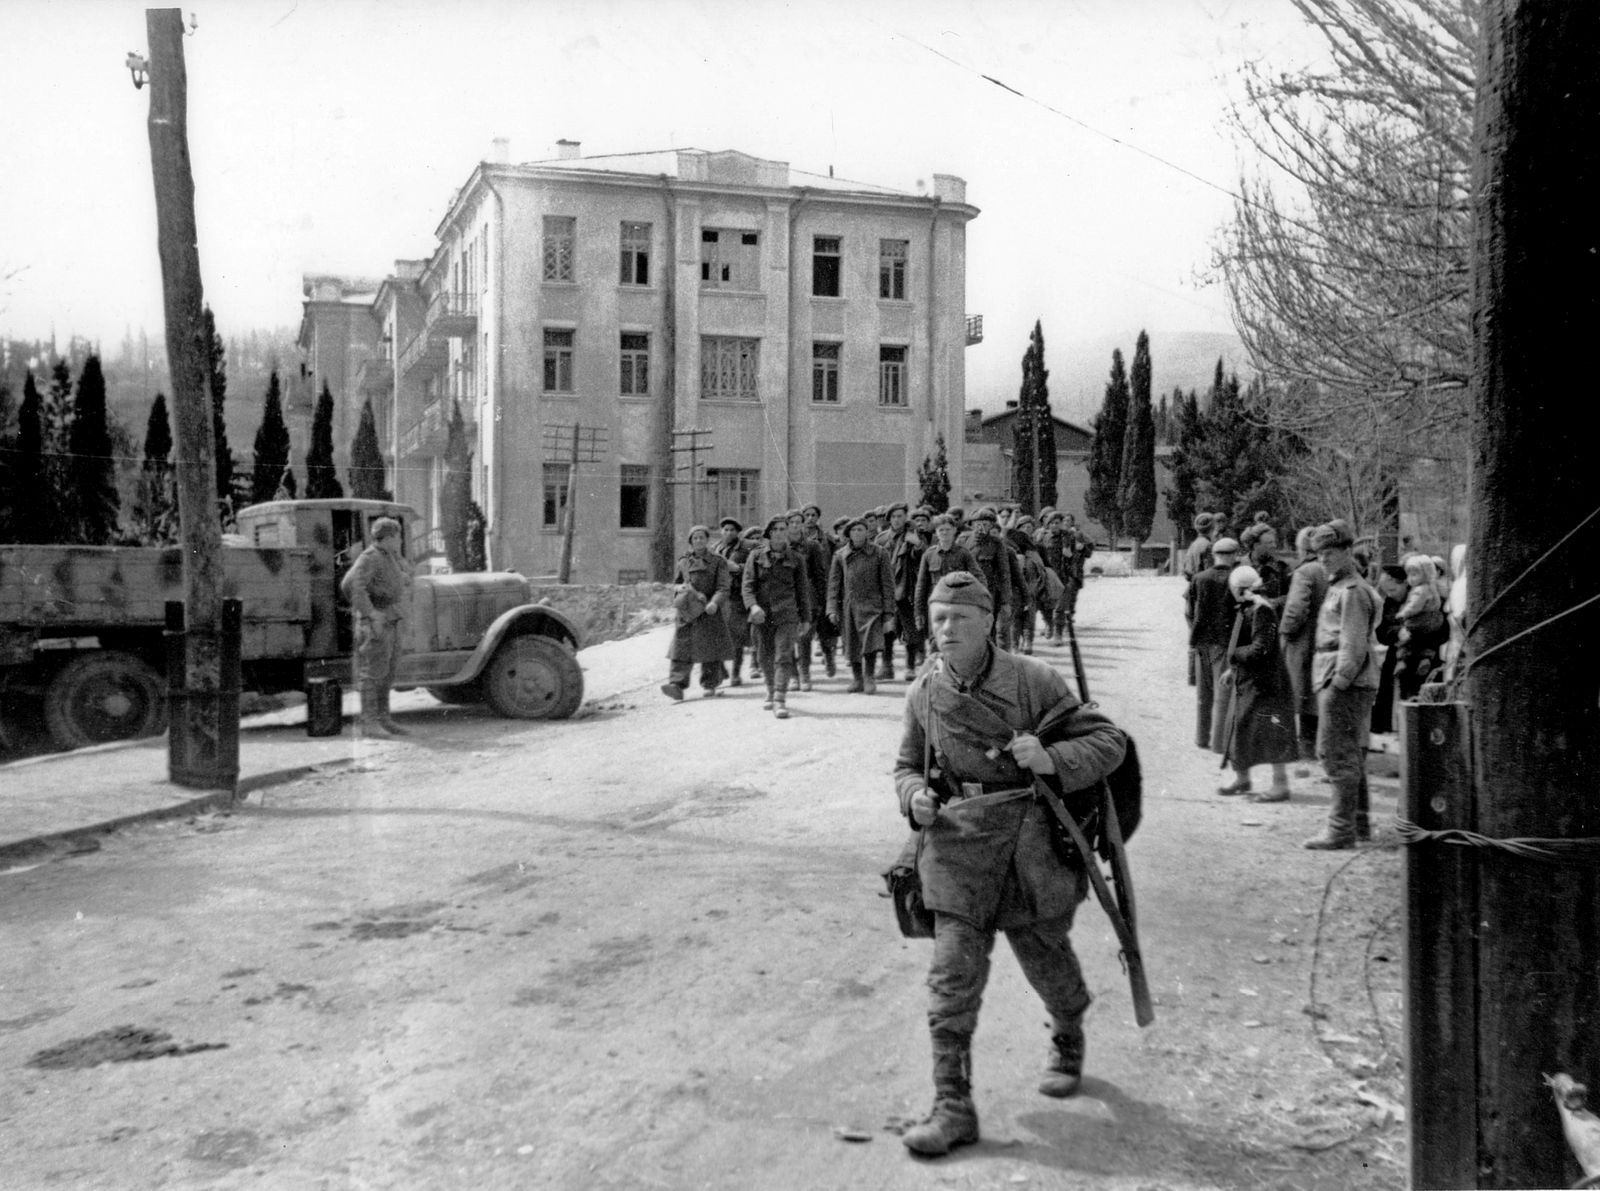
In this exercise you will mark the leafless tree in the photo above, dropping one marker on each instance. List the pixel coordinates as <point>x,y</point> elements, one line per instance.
<point>1347,258</point>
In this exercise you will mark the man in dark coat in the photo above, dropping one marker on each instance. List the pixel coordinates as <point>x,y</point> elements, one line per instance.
<point>1198,555</point>
<point>816,562</point>
<point>905,546</point>
<point>985,858</point>
<point>777,590</point>
<point>942,558</point>
<point>861,603</point>
<point>828,543</point>
<point>702,583</point>
<point>1208,607</point>
<point>1297,630</point>
<point>733,548</point>
<point>993,564</point>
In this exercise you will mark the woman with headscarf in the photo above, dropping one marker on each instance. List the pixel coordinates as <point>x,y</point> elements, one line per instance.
<point>701,589</point>
<point>1260,542</point>
<point>1297,629</point>
<point>1423,629</point>
<point>1262,732</point>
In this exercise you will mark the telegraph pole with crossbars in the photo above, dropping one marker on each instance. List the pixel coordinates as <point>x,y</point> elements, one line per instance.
<point>581,444</point>
<point>694,448</point>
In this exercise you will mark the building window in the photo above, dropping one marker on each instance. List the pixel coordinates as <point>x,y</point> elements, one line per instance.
<point>825,373</point>
<point>891,376</point>
<point>729,368</point>
<point>635,254</point>
<point>736,492</point>
<point>557,477</point>
<point>635,365</point>
<point>892,268</point>
<point>560,235</point>
<point>635,502</point>
<point>729,259</point>
<point>825,266</point>
<point>558,360</point>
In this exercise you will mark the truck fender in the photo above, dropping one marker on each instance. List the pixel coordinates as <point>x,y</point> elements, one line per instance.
<point>536,619</point>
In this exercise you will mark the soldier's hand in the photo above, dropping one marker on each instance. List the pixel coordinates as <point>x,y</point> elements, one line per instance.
<point>923,808</point>
<point>1030,754</point>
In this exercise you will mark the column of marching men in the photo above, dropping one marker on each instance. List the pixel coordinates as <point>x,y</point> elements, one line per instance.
<point>794,598</point>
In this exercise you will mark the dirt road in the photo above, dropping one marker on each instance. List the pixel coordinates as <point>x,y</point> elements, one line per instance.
<point>644,948</point>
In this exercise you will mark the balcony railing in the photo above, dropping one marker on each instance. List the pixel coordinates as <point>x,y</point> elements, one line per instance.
<point>974,329</point>
<point>430,433</point>
<point>452,316</point>
<point>422,351</point>
<point>375,375</point>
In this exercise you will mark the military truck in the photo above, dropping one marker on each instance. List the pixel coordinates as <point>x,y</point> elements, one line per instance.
<point>82,646</point>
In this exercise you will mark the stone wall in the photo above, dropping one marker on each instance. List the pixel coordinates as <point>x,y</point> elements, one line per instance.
<point>608,611</point>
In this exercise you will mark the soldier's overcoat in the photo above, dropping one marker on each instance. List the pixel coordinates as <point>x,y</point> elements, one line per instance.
<point>703,638</point>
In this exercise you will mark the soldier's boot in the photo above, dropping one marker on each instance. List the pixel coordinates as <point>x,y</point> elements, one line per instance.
<point>869,663</point>
<point>856,682</point>
<point>827,660</point>
<point>370,722</point>
<point>954,1119</point>
<point>1063,1070</point>
<point>780,708</point>
<point>886,669</point>
<point>734,666</point>
<point>1341,830</point>
<point>1363,814</point>
<point>804,679</point>
<point>386,718</point>
<point>771,697</point>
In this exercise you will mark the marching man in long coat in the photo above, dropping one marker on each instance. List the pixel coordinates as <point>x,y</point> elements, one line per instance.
<point>702,587</point>
<point>986,859</point>
<point>861,603</point>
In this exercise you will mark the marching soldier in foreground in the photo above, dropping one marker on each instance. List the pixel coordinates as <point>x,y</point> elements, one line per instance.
<point>378,587</point>
<point>987,861</point>
<point>778,593</point>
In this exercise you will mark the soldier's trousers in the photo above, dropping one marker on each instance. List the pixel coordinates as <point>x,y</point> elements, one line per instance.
<point>1344,720</point>
<point>775,649</point>
<point>960,970</point>
<point>1209,663</point>
<point>377,654</point>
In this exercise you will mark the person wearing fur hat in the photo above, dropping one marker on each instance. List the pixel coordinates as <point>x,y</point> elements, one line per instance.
<point>734,548</point>
<point>777,590</point>
<point>861,604</point>
<point>1208,607</point>
<point>1262,728</point>
<point>1344,673</point>
<point>701,587</point>
<point>983,843</point>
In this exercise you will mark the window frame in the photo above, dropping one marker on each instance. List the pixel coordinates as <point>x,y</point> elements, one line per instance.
<point>893,376</point>
<point>635,254</point>
<point>554,355</point>
<point>559,230</point>
<point>556,475</point>
<point>892,269</point>
<point>834,271</point>
<point>826,357</point>
<point>739,264</point>
<point>639,475</point>
<point>743,353</point>
<point>736,492</point>
<point>631,361</point>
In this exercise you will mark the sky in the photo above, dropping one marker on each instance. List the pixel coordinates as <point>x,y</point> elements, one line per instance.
<point>329,136</point>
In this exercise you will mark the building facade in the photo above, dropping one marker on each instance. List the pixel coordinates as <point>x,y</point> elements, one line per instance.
<point>660,339</point>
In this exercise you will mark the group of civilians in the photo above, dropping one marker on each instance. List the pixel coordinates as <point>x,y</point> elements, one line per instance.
<point>1303,662</point>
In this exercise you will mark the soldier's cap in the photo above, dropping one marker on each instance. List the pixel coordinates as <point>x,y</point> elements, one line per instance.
<point>1334,533</point>
<point>1044,513</point>
<point>792,514</point>
<point>855,521</point>
<point>899,504</point>
<point>1051,517</point>
<point>780,521</point>
<point>921,511</point>
<point>957,512</point>
<point>753,534</point>
<point>840,522</point>
<point>1224,546</point>
<point>962,587</point>
<point>817,509</point>
<point>1025,519</point>
<point>385,527</point>
<point>985,514</point>
<point>1202,522</point>
<point>727,521</point>
<point>944,519</point>
<point>694,529</point>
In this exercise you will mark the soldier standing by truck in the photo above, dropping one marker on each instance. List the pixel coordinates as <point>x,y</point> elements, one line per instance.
<point>379,588</point>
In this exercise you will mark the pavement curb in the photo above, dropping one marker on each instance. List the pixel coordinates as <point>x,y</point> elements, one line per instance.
<point>39,845</point>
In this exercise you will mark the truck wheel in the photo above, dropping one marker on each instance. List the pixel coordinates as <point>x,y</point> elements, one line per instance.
<point>104,696</point>
<point>533,678</point>
<point>460,694</point>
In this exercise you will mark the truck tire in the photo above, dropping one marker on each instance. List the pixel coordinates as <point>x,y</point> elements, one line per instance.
<point>103,696</point>
<point>460,694</point>
<point>533,678</point>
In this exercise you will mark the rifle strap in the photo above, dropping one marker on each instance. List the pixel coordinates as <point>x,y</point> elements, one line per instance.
<point>1144,1011</point>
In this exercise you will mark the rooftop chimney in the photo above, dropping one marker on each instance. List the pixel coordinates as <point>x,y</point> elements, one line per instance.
<point>568,150</point>
<point>500,151</point>
<point>1011,404</point>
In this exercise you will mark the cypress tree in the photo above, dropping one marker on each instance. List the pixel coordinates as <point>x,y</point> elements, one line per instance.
<point>92,471</point>
<point>1136,492</point>
<point>1034,431</point>
<point>30,518</point>
<point>8,451</point>
<point>217,371</point>
<point>366,459</point>
<point>1105,454</point>
<point>456,499</point>
<point>1188,430</point>
<point>934,477</point>
<point>271,446</point>
<point>1022,439</point>
<point>322,480</point>
<point>156,513</point>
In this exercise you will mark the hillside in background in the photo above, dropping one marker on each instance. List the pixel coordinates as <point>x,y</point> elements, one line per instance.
<point>1079,368</point>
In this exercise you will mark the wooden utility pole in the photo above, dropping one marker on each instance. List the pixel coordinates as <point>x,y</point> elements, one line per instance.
<point>1532,678</point>
<point>200,528</point>
<point>587,445</point>
<point>693,448</point>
